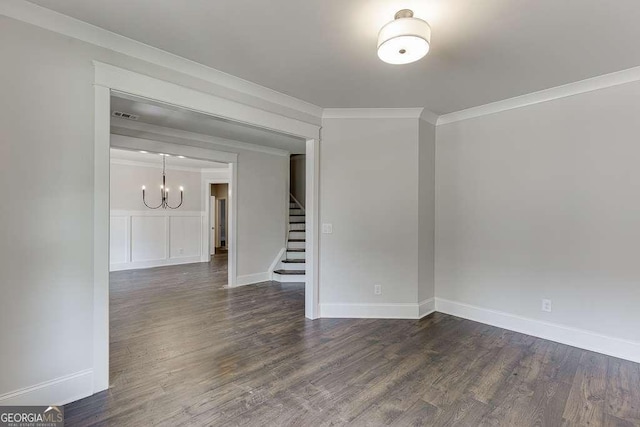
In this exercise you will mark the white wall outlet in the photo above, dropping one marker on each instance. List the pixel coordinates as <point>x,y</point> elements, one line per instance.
<point>546,305</point>
<point>327,228</point>
<point>377,289</point>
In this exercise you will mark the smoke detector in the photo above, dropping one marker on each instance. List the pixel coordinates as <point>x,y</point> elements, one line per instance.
<point>124,115</point>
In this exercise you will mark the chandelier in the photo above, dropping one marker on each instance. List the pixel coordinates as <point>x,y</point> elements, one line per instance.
<point>164,190</point>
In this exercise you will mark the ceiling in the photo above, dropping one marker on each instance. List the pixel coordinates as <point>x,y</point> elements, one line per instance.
<point>324,52</point>
<point>156,159</point>
<point>182,119</point>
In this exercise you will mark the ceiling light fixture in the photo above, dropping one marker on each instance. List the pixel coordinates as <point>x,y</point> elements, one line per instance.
<point>405,39</point>
<point>164,191</point>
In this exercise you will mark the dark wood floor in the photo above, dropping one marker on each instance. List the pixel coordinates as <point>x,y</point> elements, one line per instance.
<point>187,351</point>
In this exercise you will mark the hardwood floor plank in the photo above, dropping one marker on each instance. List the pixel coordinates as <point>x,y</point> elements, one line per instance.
<point>185,350</point>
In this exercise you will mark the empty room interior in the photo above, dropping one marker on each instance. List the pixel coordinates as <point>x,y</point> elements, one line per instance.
<point>286,213</point>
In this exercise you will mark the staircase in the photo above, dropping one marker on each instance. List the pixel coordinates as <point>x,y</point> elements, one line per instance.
<point>292,267</point>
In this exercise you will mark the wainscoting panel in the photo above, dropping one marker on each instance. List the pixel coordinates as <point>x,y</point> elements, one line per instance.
<point>185,236</point>
<point>143,239</point>
<point>148,238</point>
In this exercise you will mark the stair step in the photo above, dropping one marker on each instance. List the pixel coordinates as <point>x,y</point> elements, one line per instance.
<point>294,261</point>
<point>296,250</point>
<point>289,272</point>
<point>297,240</point>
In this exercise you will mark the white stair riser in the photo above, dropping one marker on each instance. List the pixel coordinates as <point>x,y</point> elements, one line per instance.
<point>296,212</point>
<point>298,226</point>
<point>291,266</point>
<point>295,255</point>
<point>288,278</point>
<point>296,245</point>
<point>297,219</point>
<point>297,234</point>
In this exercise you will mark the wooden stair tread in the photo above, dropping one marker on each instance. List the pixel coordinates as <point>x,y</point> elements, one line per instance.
<point>296,240</point>
<point>296,250</point>
<point>294,261</point>
<point>289,272</point>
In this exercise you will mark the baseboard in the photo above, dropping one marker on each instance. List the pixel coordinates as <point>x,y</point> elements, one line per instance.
<point>276,261</point>
<point>59,391</point>
<point>370,311</point>
<point>580,338</point>
<point>426,307</point>
<point>250,279</point>
<point>155,263</point>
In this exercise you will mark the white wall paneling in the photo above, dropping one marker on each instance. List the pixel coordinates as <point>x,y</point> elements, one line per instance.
<point>143,239</point>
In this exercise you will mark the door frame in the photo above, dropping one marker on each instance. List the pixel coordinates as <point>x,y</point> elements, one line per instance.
<point>108,79</point>
<point>232,220</point>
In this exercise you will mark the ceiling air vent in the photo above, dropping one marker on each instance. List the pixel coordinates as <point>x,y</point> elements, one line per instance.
<point>127,116</point>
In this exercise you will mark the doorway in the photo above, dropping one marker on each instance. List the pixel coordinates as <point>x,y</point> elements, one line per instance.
<point>218,214</point>
<point>110,80</point>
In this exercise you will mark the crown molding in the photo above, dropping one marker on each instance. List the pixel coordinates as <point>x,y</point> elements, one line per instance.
<point>138,163</point>
<point>570,89</point>
<point>39,16</point>
<point>372,113</point>
<point>429,117</point>
<point>145,130</point>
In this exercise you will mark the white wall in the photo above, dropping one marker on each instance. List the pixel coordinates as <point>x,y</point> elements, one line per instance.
<point>543,202</point>
<point>142,238</point>
<point>46,117</point>
<point>369,192</point>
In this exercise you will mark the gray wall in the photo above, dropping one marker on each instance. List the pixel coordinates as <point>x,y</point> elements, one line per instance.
<point>426,206</point>
<point>126,182</point>
<point>369,192</point>
<point>543,202</point>
<point>298,170</point>
<point>46,117</point>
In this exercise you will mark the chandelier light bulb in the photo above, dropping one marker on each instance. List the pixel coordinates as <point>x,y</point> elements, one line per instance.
<point>143,188</point>
<point>405,39</point>
<point>181,188</point>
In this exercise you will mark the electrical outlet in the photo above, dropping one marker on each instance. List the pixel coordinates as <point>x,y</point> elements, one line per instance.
<point>327,228</point>
<point>546,305</point>
<point>377,289</point>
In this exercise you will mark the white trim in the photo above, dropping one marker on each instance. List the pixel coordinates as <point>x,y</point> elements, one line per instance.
<point>162,213</point>
<point>71,27</point>
<point>174,149</point>
<point>426,307</point>
<point>251,279</point>
<point>429,117</point>
<point>121,127</point>
<point>372,113</point>
<point>370,311</point>
<point>101,230</point>
<point>580,338</point>
<point>137,163</point>
<point>575,88</point>
<point>276,261</point>
<point>132,83</point>
<point>135,265</point>
<point>312,228</point>
<point>59,391</point>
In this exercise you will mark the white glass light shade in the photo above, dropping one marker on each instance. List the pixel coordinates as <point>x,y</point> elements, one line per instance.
<point>404,40</point>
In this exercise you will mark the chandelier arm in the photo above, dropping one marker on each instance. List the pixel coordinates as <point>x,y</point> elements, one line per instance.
<point>150,207</point>
<point>181,200</point>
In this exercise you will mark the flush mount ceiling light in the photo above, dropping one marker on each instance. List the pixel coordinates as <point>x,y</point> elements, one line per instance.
<point>405,39</point>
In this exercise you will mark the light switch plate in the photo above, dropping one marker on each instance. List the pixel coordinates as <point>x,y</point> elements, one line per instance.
<point>327,228</point>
